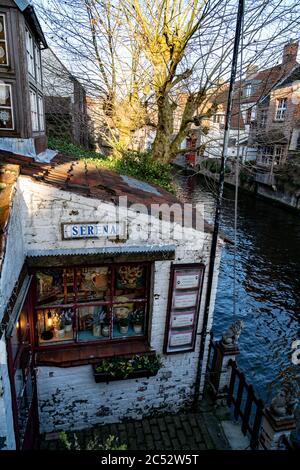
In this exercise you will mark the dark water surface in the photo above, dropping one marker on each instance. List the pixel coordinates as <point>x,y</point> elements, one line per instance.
<point>268,280</point>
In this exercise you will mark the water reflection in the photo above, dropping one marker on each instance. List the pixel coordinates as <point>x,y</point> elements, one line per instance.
<point>268,279</point>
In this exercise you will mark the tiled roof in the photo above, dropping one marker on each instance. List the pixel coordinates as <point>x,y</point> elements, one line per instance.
<point>8,176</point>
<point>86,179</point>
<point>265,81</point>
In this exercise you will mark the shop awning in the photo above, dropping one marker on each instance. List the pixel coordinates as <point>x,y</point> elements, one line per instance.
<point>74,256</point>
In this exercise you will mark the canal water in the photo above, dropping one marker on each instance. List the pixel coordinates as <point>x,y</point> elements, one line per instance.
<point>267,280</point>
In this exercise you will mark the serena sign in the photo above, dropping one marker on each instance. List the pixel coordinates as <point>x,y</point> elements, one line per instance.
<point>93,230</point>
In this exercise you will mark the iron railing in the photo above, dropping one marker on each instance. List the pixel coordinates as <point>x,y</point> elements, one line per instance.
<point>240,395</point>
<point>246,405</point>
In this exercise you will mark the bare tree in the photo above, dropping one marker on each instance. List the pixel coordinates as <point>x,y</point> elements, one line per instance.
<point>160,63</point>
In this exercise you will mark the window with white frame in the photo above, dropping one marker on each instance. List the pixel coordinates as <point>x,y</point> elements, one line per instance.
<point>265,155</point>
<point>281,109</point>
<point>247,90</point>
<point>263,117</point>
<point>219,118</point>
<point>3,41</point>
<point>279,154</point>
<point>6,107</point>
<point>38,65</point>
<point>41,113</point>
<point>30,53</point>
<point>34,111</point>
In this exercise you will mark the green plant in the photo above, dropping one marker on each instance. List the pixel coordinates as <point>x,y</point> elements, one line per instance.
<point>137,317</point>
<point>122,367</point>
<point>123,322</point>
<point>136,164</point>
<point>111,443</point>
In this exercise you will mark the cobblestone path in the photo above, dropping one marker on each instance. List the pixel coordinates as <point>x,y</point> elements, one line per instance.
<point>181,431</point>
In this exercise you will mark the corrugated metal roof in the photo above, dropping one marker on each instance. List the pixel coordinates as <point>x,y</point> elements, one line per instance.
<point>130,249</point>
<point>136,184</point>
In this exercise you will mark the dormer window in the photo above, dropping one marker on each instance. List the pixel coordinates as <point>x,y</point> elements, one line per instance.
<point>3,43</point>
<point>6,107</point>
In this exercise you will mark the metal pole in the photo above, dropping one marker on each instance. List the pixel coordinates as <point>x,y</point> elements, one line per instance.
<point>204,332</point>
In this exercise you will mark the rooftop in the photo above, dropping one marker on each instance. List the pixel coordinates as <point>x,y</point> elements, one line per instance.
<point>88,180</point>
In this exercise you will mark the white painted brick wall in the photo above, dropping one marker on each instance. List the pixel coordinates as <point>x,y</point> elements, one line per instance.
<point>7,434</point>
<point>70,399</point>
<point>14,253</point>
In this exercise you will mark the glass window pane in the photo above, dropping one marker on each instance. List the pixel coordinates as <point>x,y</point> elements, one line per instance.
<point>3,53</point>
<point>6,118</point>
<point>93,323</point>
<point>93,284</point>
<point>41,114</point>
<point>130,282</point>
<point>37,54</point>
<point>5,95</point>
<point>129,320</point>
<point>30,58</point>
<point>2,28</point>
<point>55,286</point>
<point>3,43</point>
<point>34,111</point>
<point>55,325</point>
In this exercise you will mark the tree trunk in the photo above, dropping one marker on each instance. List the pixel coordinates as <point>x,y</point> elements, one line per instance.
<point>161,145</point>
<point>166,145</point>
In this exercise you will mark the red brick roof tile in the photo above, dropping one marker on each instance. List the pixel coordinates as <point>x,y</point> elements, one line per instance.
<point>68,174</point>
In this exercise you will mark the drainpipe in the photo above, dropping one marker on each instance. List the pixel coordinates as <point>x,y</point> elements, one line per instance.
<point>205,333</point>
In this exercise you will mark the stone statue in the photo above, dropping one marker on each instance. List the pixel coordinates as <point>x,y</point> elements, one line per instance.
<point>285,402</point>
<point>231,336</point>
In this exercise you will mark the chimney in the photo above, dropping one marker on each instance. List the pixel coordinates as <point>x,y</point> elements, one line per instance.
<point>290,51</point>
<point>252,70</point>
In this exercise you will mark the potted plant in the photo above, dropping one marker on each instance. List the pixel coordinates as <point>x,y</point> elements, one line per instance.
<point>119,368</point>
<point>137,319</point>
<point>123,325</point>
<point>97,320</point>
<point>67,317</point>
<point>105,328</point>
<point>61,328</point>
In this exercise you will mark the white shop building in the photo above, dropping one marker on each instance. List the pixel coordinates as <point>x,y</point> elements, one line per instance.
<point>88,277</point>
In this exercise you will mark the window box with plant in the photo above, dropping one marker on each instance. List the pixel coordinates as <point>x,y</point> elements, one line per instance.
<point>120,368</point>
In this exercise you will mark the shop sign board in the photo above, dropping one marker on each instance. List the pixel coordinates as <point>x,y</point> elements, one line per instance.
<point>93,230</point>
<point>183,307</point>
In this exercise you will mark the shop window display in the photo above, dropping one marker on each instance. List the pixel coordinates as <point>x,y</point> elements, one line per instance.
<point>87,304</point>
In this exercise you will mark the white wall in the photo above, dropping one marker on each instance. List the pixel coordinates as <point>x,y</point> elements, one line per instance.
<point>14,253</point>
<point>13,262</point>
<point>70,399</point>
<point>7,434</point>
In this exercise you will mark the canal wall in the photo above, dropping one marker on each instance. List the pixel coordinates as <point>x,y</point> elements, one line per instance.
<point>259,188</point>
